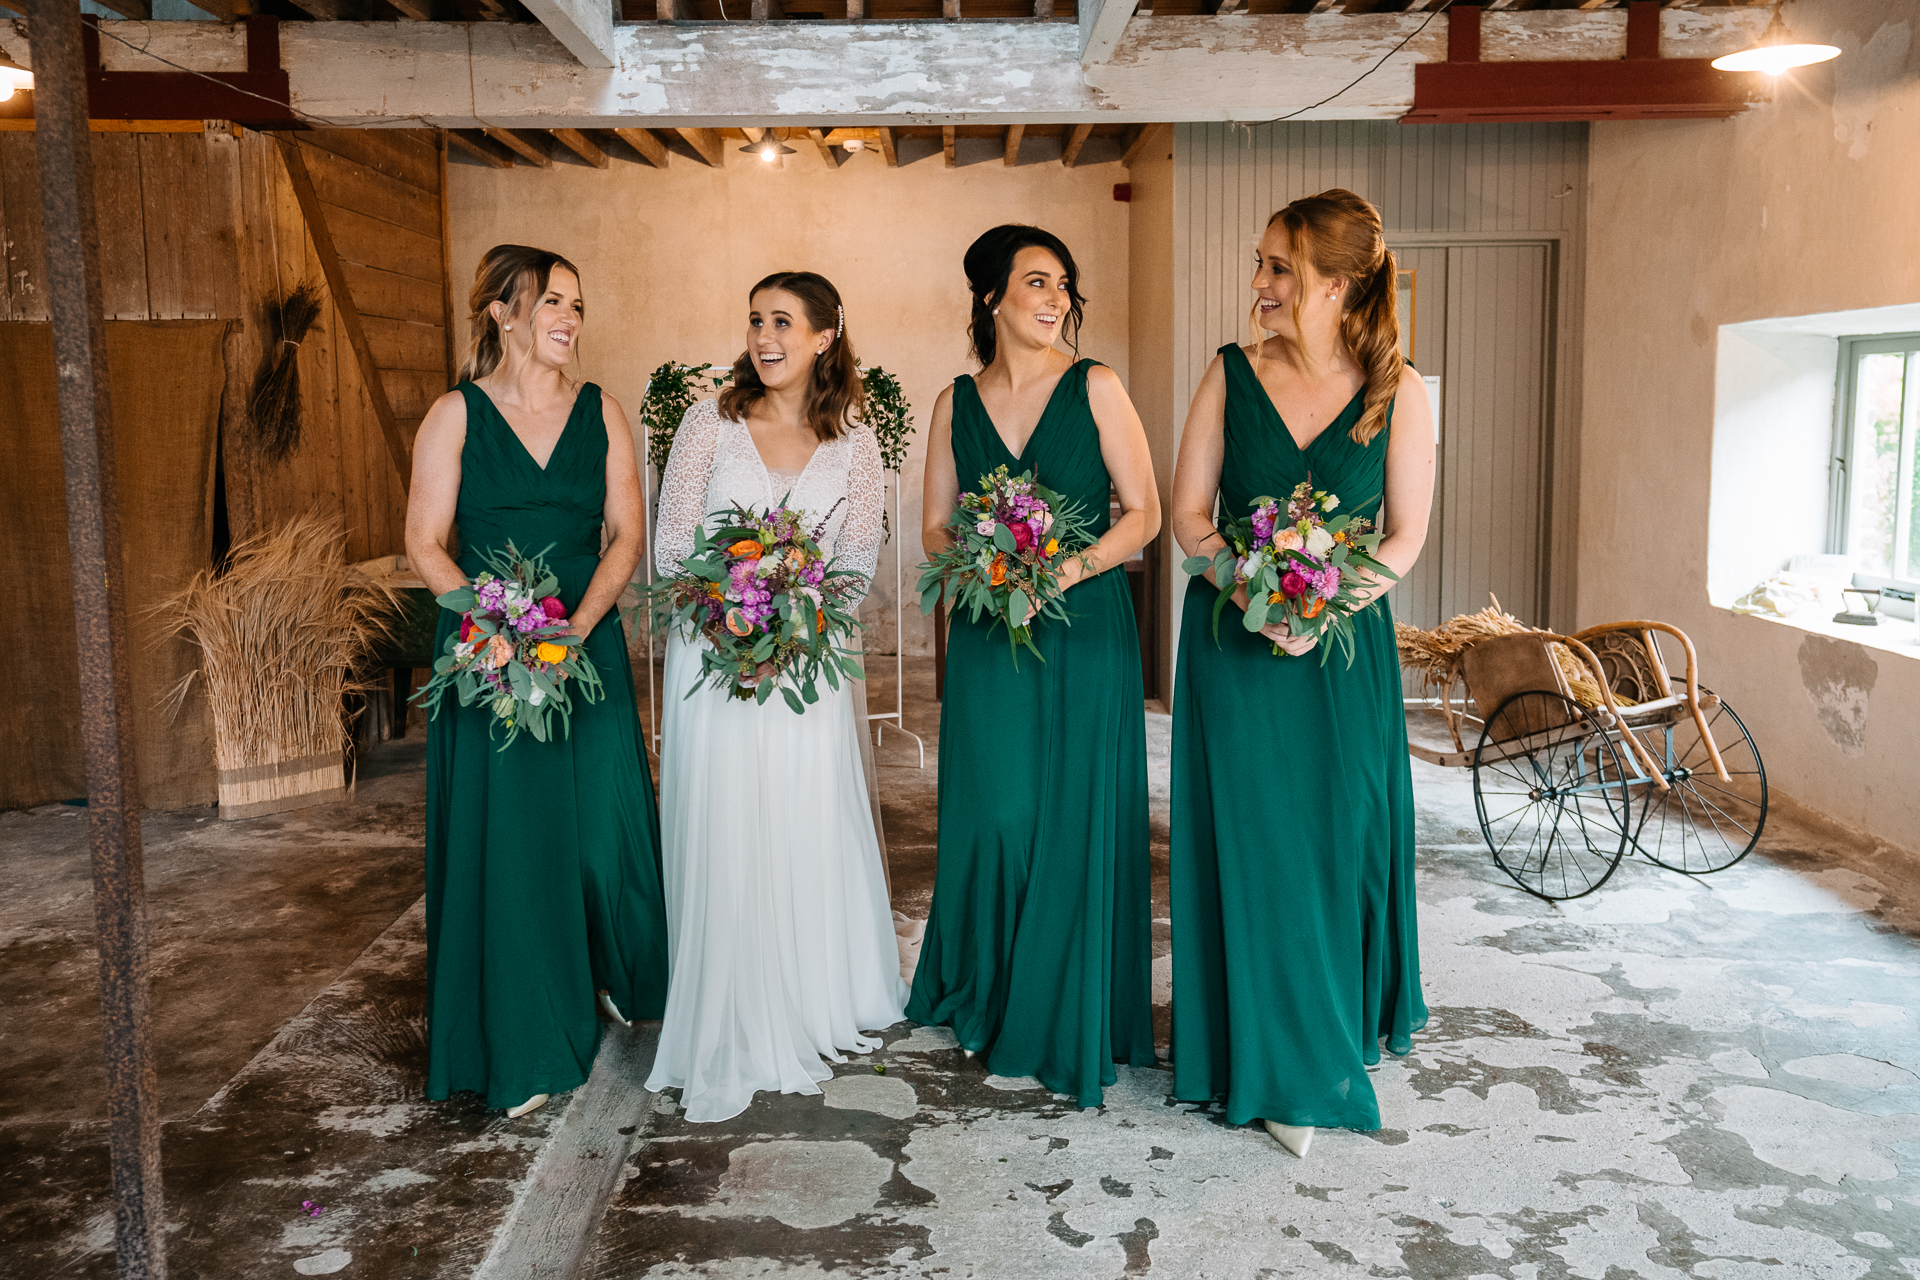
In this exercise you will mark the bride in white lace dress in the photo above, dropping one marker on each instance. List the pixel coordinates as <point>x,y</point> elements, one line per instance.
<point>780,934</point>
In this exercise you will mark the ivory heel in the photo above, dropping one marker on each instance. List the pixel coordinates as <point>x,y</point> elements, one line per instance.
<point>1296,1138</point>
<point>610,1011</point>
<point>532,1104</point>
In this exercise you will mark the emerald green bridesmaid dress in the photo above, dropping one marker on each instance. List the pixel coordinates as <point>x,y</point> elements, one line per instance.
<point>1038,949</point>
<point>1294,947</point>
<point>543,860</point>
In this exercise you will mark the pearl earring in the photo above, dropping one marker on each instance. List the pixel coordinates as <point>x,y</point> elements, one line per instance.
<point>509,328</point>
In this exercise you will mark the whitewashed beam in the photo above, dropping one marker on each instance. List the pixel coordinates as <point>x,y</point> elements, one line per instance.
<point>1102,23</point>
<point>584,27</point>
<point>873,74</point>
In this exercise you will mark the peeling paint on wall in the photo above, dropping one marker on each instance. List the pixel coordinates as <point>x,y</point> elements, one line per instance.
<point>1839,676</point>
<point>1859,77</point>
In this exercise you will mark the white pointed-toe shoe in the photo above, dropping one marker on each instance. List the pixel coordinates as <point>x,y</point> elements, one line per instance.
<point>1294,1137</point>
<point>609,1010</point>
<point>534,1103</point>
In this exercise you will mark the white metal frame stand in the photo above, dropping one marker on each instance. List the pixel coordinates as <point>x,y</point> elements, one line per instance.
<point>899,713</point>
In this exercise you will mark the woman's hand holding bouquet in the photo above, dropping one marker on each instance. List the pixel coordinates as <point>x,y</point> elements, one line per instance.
<point>771,605</point>
<point>516,650</point>
<point>1011,542</point>
<point>1301,566</point>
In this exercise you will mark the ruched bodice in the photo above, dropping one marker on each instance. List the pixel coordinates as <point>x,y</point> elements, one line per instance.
<point>505,496</point>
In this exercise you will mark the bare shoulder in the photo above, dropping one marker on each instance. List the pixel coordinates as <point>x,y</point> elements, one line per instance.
<point>1410,379</point>
<point>610,405</point>
<point>446,421</point>
<point>1104,382</point>
<point>943,403</point>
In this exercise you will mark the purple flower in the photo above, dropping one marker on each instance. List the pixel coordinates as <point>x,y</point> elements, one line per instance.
<point>1262,523</point>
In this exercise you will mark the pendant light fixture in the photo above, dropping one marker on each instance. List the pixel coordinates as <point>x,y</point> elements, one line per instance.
<point>768,148</point>
<point>13,78</point>
<point>1776,52</point>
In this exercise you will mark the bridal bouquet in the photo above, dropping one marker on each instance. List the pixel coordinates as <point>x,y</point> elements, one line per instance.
<point>513,652</point>
<point>1009,540</point>
<point>1300,564</point>
<point>770,602</point>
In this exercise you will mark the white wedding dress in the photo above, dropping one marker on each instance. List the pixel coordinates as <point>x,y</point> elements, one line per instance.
<point>780,934</point>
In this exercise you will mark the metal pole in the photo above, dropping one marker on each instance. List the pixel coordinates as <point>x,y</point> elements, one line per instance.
<point>74,297</point>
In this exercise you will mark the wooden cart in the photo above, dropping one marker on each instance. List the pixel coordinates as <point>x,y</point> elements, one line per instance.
<point>1584,746</point>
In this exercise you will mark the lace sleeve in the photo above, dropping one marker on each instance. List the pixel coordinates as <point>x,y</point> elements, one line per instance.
<point>683,488</point>
<point>859,542</point>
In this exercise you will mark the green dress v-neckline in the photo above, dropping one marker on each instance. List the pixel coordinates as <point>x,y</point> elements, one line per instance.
<point>1341,421</point>
<point>1046,414</point>
<point>566,428</point>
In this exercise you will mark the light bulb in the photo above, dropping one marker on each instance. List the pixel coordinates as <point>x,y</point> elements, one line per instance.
<point>1772,59</point>
<point>13,77</point>
<point>769,153</point>
<point>855,144</point>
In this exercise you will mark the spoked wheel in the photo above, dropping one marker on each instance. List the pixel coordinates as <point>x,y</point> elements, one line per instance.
<point>1553,798</point>
<point>1702,824</point>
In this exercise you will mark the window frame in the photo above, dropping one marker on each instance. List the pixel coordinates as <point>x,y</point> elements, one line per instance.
<point>1840,464</point>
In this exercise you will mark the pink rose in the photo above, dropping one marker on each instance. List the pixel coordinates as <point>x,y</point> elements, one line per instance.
<point>1022,535</point>
<point>1292,583</point>
<point>498,653</point>
<point>552,607</point>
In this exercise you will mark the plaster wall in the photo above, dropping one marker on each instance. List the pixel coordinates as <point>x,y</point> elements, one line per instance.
<point>1154,348</point>
<point>668,256</point>
<point>1801,206</point>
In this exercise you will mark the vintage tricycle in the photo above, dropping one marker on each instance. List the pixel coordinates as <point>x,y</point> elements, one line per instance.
<point>1582,746</point>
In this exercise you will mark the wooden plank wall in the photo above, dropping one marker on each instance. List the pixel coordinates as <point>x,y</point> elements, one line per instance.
<point>205,226</point>
<point>380,195</point>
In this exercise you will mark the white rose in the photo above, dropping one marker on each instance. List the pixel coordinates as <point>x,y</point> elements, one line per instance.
<point>1332,501</point>
<point>536,697</point>
<point>984,528</point>
<point>1319,541</point>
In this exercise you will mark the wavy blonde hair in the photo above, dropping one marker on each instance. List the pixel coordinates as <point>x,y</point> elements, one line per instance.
<point>1337,235</point>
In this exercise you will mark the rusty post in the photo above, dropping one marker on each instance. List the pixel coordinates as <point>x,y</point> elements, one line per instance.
<point>74,297</point>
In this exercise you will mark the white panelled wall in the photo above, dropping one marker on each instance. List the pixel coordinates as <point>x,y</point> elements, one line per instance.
<point>1490,220</point>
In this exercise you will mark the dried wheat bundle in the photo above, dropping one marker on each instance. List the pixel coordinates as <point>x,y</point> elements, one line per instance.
<point>274,407</point>
<point>1432,653</point>
<point>283,632</point>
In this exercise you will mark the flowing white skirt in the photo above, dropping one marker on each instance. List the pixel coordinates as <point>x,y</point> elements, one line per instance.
<point>781,938</point>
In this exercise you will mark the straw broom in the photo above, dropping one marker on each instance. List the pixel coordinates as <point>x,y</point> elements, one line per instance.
<point>274,407</point>
<point>1432,653</point>
<point>282,633</point>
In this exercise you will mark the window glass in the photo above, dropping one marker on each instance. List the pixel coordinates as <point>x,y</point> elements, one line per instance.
<point>1883,478</point>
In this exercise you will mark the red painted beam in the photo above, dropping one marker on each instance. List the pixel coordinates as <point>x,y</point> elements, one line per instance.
<point>1643,86</point>
<point>258,96</point>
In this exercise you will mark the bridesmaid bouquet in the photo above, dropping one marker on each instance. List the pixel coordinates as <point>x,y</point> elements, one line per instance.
<point>513,652</point>
<point>1009,541</point>
<point>765,596</point>
<point>1300,564</point>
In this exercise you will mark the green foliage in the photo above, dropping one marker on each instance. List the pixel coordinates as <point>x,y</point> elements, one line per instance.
<point>671,391</point>
<point>888,416</point>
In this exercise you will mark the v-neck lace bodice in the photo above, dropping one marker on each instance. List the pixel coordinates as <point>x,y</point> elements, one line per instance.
<point>715,465</point>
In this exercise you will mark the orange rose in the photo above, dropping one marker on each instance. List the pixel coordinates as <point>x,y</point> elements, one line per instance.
<point>1313,610</point>
<point>737,622</point>
<point>999,574</point>
<point>498,653</point>
<point>1053,547</point>
<point>551,652</point>
<point>796,559</point>
<point>746,549</point>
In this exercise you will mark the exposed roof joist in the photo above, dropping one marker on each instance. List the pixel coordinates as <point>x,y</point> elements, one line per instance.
<point>501,77</point>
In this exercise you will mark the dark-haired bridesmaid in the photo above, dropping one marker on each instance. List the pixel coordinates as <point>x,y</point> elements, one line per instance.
<point>543,860</point>
<point>1294,947</point>
<point>1038,943</point>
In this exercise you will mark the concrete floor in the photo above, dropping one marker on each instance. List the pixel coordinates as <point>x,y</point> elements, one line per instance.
<point>1713,1078</point>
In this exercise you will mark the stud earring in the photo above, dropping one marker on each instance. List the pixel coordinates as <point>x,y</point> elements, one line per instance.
<point>509,328</point>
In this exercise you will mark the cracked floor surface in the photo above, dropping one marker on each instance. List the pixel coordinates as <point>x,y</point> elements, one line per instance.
<point>1705,1078</point>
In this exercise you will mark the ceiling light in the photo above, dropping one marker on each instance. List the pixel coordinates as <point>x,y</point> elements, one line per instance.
<point>767,148</point>
<point>1776,52</point>
<point>13,77</point>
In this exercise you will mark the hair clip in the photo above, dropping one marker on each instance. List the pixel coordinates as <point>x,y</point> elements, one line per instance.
<point>840,313</point>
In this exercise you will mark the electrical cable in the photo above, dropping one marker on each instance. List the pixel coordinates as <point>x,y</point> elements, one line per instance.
<point>1431,15</point>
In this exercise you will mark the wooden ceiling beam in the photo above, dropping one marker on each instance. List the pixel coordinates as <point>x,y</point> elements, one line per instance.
<point>676,10</point>
<point>646,143</point>
<point>947,138</point>
<point>581,145</point>
<point>520,147</point>
<point>1075,140</point>
<point>820,144</point>
<point>138,10</point>
<point>706,144</point>
<point>765,10</point>
<point>888,151</point>
<point>417,10</point>
<point>1011,155</point>
<point>1043,9</point>
<point>856,10</point>
<point>485,154</point>
<point>950,10</point>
